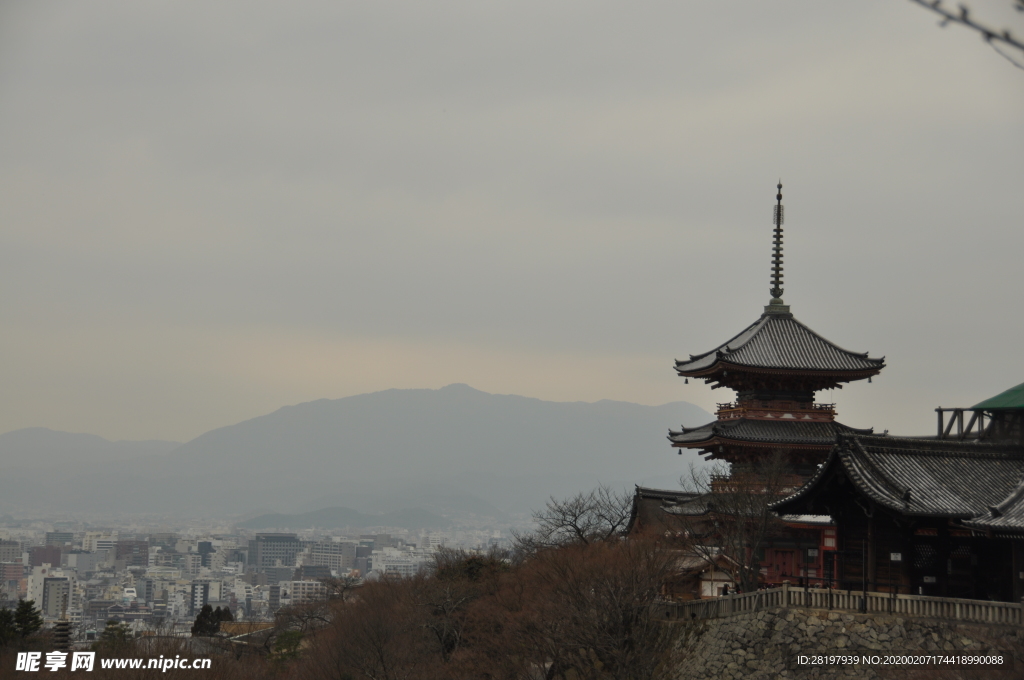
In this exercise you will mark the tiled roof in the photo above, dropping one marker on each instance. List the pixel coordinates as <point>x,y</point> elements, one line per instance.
<point>649,504</point>
<point>1006,516</point>
<point>925,477</point>
<point>782,431</point>
<point>780,341</point>
<point>693,507</point>
<point>689,504</point>
<point>672,496</point>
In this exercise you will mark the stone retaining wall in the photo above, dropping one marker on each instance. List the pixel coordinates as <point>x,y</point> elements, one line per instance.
<point>763,645</point>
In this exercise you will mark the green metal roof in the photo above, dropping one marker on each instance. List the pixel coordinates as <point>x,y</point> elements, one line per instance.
<point>1011,398</point>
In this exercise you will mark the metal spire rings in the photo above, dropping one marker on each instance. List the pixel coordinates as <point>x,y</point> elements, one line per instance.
<point>777,256</point>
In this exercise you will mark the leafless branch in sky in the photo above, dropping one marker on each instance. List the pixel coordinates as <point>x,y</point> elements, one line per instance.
<point>997,39</point>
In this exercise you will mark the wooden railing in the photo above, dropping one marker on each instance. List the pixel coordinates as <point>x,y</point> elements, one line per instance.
<point>982,611</point>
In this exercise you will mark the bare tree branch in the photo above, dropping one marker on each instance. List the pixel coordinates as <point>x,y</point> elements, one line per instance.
<point>993,37</point>
<point>598,515</point>
<point>730,521</point>
<point>341,588</point>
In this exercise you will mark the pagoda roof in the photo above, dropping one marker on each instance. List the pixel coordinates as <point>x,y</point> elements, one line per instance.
<point>1012,398</point>
<point>923,477</point>
<point>778,341</point>
<point>789,432</point>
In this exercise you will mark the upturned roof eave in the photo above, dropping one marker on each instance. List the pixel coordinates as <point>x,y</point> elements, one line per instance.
<point>749,336</point>
<point>720,366</point>
<point>801,494</point>
<point>714,441</point>
<point>715,435</point>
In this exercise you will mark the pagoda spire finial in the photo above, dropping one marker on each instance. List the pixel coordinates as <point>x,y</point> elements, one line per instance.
<point>776,305</point>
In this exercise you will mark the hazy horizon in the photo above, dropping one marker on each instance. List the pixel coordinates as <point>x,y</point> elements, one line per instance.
<point>283,406</point>
<point>212,210</point>
<point>456,449</point>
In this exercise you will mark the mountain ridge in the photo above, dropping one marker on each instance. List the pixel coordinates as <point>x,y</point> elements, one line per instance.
<point>42,446</point>
<point>382,450</point>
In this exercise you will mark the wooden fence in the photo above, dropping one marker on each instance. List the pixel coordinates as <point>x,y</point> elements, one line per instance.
<point>982,611</point>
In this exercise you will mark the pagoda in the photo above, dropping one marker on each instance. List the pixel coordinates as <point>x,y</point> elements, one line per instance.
<point>775,365</point>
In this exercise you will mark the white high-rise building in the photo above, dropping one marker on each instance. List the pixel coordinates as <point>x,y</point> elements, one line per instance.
<point>99,540</point>
<point>52,590</point>
<point>303,591</point>
<point>433,541</point>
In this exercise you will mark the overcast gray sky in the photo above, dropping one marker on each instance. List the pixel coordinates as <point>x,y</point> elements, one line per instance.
<point>210,210</point>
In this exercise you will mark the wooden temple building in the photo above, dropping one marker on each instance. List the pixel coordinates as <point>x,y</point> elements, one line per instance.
<point>939,516</point>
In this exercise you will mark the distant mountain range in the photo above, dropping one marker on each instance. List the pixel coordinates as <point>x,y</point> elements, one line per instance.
<point>42,447</point>
<point>455,451</point>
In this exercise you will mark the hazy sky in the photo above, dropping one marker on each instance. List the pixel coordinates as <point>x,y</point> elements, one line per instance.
<point>210,210</point>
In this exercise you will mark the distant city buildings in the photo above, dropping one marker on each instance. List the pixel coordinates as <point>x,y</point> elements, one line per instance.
<point>59,538</point>
<point>274,550</point>
<point>301,592</point>
<point>44,554</point>
<point>404,563</point>
<point>133,553</point>
<point>52,589</point>
<point>10,551</point>
<point>159,581</point>
<point>336,555</point>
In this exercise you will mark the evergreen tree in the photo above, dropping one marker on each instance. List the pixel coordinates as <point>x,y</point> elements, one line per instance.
<point>27,619</point>
<point>114,637</point>
<point>207,623</point>
<point>8,629</point>
<point>225,614</point>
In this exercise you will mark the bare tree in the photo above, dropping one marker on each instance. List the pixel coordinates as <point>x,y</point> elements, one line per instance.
<point>375,636</point>
<point>731,515</point>
<point>341,587</point>
<point>598,515</point>
<point>580,611</point>
<point>999,40</point>
<point>409,627</point>
<point>444,597</point>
